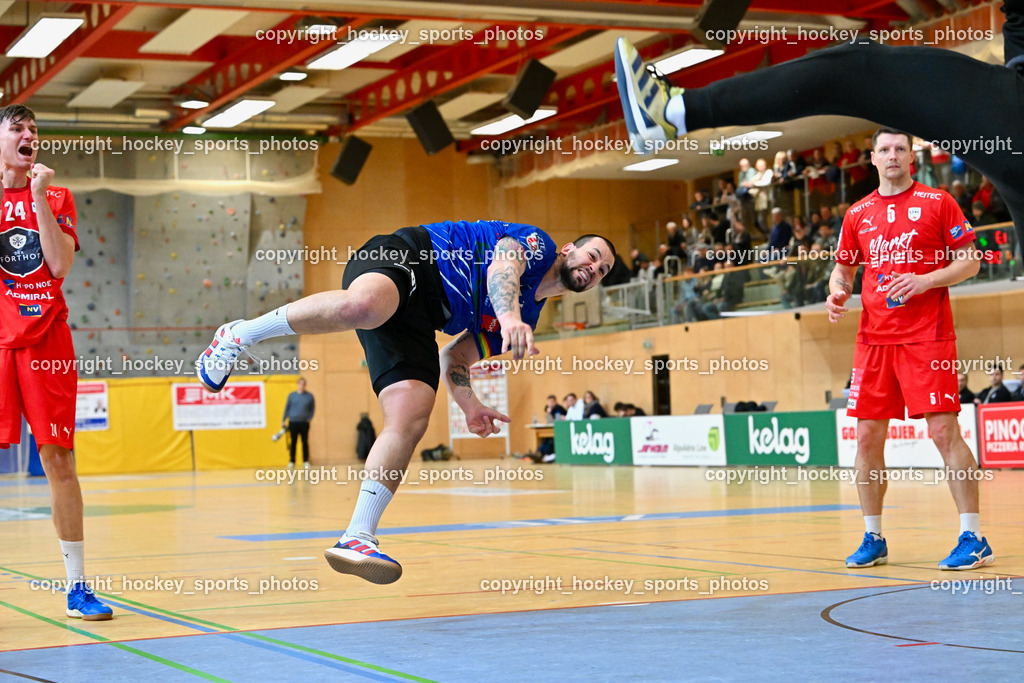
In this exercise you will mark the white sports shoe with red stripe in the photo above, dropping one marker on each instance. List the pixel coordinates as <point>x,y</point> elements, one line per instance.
<point>359,555</point>
<point>218,360</point>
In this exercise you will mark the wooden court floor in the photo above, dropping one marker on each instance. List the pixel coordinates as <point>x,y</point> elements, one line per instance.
<point>515,571</point>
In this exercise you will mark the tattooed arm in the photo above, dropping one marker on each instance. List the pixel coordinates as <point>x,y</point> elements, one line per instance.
<point>503,275</point>
<point>840,286</point>
<point>456,358</point>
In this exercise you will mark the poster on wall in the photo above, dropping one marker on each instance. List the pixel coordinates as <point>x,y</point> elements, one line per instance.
<point>1001,434</point>
<point>907,444</point>
<point>678,440</point>
<point>92,409</point>
<point>239,405</point>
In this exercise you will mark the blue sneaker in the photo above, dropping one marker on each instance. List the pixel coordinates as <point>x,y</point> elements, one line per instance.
<point>644,94</point>
<point>873,550</point>
<point>83,604</point>
<point>969,553</point>
<point>359,555</point>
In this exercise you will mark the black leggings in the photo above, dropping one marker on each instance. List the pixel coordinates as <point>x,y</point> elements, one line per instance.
<point>295,430</point>
<point>929,92</point>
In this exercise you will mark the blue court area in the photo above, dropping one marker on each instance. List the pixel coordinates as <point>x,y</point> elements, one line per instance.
<point>946,631</point>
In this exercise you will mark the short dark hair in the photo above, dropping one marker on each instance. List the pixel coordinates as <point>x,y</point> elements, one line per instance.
<point>16,113</point>
<point>619,406</point>
<point>552,396</point>
<point>583,239</point>
<point>890,131</point>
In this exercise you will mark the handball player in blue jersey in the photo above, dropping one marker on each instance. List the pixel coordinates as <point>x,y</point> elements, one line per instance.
<point>483,282</point>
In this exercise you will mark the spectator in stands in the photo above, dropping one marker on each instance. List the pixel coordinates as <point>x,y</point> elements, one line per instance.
<point>592,408</point>
<point>690,233</point>
<point>779,165</point>
<point>762,193</point>
<point>573,407</point>
<point>745,192</point>
<point>815,222</point>
<point>701,202</point>
<point>553,410</point>
<point>793,278</point>
<point>619,274</point>
<point>737,239</point>
<point>826,239</point>
<point>988,195</point>
<point>963,199</point>
<point>1019,394</point>
<point>981,216</point>
<point>726,293</point>
<point>793,170</point>
<point>802,237</point>
<point>778,239</point>
<point>675,241</point>
<point>833,221</point>
<point>966,395</point>
<point>818,186</point>
<point>642,269</point>
<point>628,410</point>
<point>727,204</point>
<point>854,172</point>
<point>996,392</point>
<point>819,268</point>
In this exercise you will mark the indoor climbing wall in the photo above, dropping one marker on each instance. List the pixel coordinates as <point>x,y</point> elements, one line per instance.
<point>156,275</point>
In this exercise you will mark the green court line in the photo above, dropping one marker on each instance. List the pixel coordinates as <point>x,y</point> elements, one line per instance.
<point>574,557</point>
<point>339,658</point>
<point>120,646</point>
<point>222,627</point>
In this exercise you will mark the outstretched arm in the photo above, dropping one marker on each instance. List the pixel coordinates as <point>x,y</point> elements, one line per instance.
<point>456,358</point>
<point>503,276</point>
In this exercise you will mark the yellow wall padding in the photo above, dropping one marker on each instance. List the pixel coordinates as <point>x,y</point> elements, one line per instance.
<point>141,437</point>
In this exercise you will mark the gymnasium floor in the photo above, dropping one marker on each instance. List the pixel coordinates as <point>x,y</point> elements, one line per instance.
<point>622,574</point>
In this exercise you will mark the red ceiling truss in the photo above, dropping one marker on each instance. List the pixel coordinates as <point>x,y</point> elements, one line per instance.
<point>241,63</point>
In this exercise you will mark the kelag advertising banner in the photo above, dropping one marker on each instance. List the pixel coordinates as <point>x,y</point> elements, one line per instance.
<point>787,439</point>
<point>605,441</point>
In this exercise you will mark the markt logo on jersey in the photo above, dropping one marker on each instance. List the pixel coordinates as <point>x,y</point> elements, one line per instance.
<point>20,251</point>
<point>897,250</point>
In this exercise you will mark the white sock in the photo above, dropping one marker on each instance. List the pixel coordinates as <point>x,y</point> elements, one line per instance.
<point>74,559</point>
<point>373,498</point>
<point>675,113</point>
<point>873,524</point>
<point>273,324</point>
<point>971,521</point>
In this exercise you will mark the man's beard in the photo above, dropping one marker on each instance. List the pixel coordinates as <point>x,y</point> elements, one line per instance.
<point>566,276</point>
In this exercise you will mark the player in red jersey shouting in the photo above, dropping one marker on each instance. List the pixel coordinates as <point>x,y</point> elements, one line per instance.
<point>37,247</point>
<point>914,243</point>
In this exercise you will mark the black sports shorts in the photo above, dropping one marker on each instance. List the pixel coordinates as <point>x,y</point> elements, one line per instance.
<point>403,347</point>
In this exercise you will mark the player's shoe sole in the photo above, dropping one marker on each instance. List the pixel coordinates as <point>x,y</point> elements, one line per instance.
<point>362,560</point>
<point>870,563</point>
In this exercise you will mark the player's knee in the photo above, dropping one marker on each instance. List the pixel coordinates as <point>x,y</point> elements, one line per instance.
<point>360,311</point>
<point>944,436</point>
<point>417,427</point>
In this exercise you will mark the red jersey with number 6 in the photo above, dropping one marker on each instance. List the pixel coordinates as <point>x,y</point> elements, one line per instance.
<point>31,300</point>
<point>915,231</point>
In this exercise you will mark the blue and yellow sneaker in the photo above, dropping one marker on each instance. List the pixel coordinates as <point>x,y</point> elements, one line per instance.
<point>644,94</point>
<point>359,555</point>
<point>873,550</point>
<point>969,553</point>
<point>83,604</point>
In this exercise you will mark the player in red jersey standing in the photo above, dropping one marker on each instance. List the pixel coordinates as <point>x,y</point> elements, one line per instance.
<point>914,243</point>
<point>37,247</point>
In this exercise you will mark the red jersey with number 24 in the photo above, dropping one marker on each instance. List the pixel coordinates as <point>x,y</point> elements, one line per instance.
<point>915,231</point>
<point>30,296</point>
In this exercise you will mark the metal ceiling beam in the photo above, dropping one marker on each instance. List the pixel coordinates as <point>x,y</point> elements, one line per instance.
<point>25,77</point>
<point>256,63</point>
<point>460,64</point>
